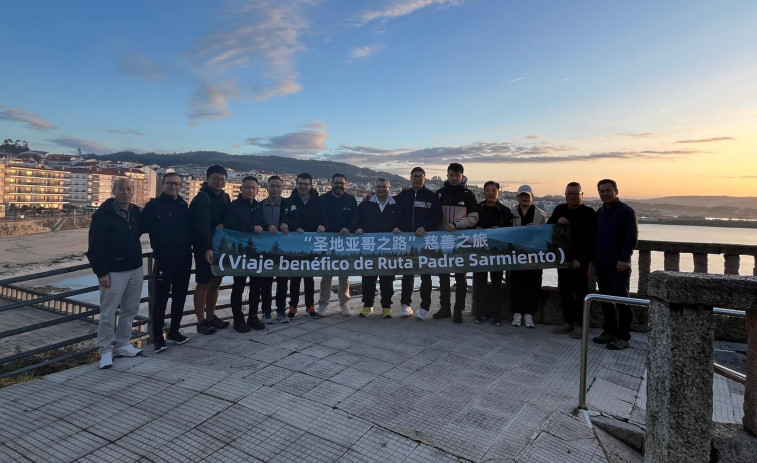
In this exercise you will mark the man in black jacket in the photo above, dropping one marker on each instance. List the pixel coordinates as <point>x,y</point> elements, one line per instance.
<point>206,212</point>
<point>116,257</point>
<point>421,212</point>
<point>275,214</point>
<point>617,234</point>
<point>312,218</point>
<point>380,214</point>
<point>241,216</point>
<point>491,214</point>
<point>166,220</point>
<point>574,282</point>
<point>460,211</point>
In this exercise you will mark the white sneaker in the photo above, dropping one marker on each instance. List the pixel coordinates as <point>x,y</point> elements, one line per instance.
<point>529,320</point>
<point>345,310</point>
<point>322,310</point>
<point>406,310</point>
<point>516,319</point>
<point>128,351</point>
<point>106,359</point>
<point>421,315</point>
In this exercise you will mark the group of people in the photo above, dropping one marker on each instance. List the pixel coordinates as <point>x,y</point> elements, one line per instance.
<point>179,231</point>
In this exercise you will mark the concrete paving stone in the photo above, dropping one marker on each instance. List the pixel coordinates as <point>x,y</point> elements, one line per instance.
<point>9,455</point>
<point>232,387</point>
<point>319,351</point>
<point>299,384</point>
<point>317,336</point>
<point>310,449</point>
<point>295,361</point>
<point>374,366</point>
<point>139,391</point>
<point>157,364</point>
<point>301,413</point>
<point>345,358</point>
<point>43,396</point>
<point>69,448</point>
<point>425,454</point>
<point>353,377</point>
<point>227,362</point>
<point>144,440</point>
<point>482,420</point>
<point>399,372</point>
<point>192,413</point>
<point>381,445</point>
<point>269,375</point>
<point>622,379</point>
<point>295,344</point>
<point>70,404</point>
<point>231,423</point>
<point>567,427</point>
<point>120,424</point>
<point>340,427</point>
<point>167,400</point>
<point>191,446</point>
<point>330,393</point>
<point>323,368</point>
<point>64,375</point>
<point>339,343</point>
<point>95,412</point>
<point>229,454</point>
<point>268,354</point>
<point>267,439</point>
<point>419,425</point>
<point>203,379</point>
<point>611,399</point>
<point>548,448</point>
<point>103,382</point>
<point>463,442</point>
<point>110,453</point>
<point>266,400</point>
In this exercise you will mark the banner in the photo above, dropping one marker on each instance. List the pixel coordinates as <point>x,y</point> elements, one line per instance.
<point>312,254</point>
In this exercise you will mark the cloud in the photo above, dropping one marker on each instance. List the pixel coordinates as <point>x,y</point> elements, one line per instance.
<point>401,8</point>
<point>32,120</point>
<point>85,145</point>
<point>533,137</point>
<point>483,153</point>
<point>364,52</point>
<point>137,65</point>
<point>705,140</point>
<point>639,135</point>
<point>210,102</point>
<point>514,80</point>
<point>268,36</point>
<point>310,140</point>
<point>277,89</point>
<point>126,132</point>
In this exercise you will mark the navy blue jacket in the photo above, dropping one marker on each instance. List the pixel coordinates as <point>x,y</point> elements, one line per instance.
<point>240,215</point>
<point>419,209</point>
<point>373,220</point>
<point>617,234</point>
<point>114,242</point>
<point>206,211</point>
<point>312,214</point>
<point>341,212</point>
<point>167,222</point>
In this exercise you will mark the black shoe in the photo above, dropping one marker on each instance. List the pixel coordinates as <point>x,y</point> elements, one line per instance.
<point>178,338</point>
<point>441,314</point>
<point>218,323</point>
<point>160,345</point>
<point>255,323</point>
<point>603,338</point>
<point>496,322</point>
<point>478,320</point>
<point>241,327</point>
<point>618,344</point>
<point>458,317</point>
<point>205,327</point>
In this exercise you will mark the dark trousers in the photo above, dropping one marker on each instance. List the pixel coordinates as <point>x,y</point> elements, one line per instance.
<point>408,284</point>
<point>294,291</point>
<point>488,298</point>
<point>525,289</point>
<point>237,290</point>
<point>618,317</point>
<point>574,286</point>
<point>386,283</point>
<point>170,277</point>
<point>263,295</point>
<point>461,289</point>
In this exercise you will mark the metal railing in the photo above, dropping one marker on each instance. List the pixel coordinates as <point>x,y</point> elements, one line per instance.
<point>719,369</point>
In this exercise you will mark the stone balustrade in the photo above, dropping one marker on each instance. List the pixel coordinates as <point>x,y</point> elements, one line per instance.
<point>680,366</point>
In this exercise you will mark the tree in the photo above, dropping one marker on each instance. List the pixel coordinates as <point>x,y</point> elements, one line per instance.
<point>14,147</point>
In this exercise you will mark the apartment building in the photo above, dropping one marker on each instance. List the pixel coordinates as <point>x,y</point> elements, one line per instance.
<point>27,184</point>
<point>91,186</point>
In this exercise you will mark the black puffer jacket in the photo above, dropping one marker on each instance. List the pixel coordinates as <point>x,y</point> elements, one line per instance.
<point>240,215</point>
<point>312,214</point>
<point>167,221</point>
<point>114,242</point>
<point>206,211</point>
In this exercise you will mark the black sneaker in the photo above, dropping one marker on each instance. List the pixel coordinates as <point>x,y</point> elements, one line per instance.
<point>241,327</point>
<point>311,312</point>
<point>618,344</point>
<point>218,323</point>
<point>458,317</point>
<point>441,314</point>
<point>178,338</point>
<point>603,338</point>
<point>205,327</point>
<point>292,312</point>
<point>496,322</point>
<point>478,320</point>
<point>255,323</point>
<point>160,345</point>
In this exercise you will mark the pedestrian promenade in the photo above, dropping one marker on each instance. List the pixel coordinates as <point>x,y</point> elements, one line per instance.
<point>345,389</point>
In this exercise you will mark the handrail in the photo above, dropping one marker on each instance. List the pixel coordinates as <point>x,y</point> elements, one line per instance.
<point>719,369</point>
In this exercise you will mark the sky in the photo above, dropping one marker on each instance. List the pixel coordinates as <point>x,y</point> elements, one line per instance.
<point>660,96</point>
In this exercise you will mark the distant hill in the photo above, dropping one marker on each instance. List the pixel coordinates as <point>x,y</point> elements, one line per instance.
<point>278,164</point>
<point>703,201</point>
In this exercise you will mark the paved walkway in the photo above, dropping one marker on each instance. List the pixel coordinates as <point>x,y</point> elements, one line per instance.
<point>345,389</point>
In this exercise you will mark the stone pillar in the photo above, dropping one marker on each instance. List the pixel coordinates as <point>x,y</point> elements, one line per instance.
<point>750,389</point>
<point>679,385</point>
<point>731,266</point>
<point>700,263</point>
<point>645,266</point>
<point>672,261</point>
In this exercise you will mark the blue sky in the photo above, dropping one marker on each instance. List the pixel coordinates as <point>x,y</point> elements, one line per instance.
<point>660,96</point>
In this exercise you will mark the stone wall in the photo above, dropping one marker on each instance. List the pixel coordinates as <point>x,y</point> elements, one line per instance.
<point>10,228</point>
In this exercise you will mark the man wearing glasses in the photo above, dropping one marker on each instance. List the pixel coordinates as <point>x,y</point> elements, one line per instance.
<point>312,218</point>
<point>166,220</point>
<point>342,216</point>
<point>574,282</point>
<point>207,211</point>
